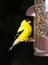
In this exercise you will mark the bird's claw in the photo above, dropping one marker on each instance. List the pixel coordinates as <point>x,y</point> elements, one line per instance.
<point>26,39</point>
<point>29,39</point>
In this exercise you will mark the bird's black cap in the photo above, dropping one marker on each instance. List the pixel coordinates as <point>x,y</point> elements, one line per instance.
<point>27,19</point>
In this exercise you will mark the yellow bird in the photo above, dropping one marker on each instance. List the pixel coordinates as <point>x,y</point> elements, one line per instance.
<point>25,29</point>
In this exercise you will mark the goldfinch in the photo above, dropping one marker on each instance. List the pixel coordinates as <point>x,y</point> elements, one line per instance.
<point>26,31</point>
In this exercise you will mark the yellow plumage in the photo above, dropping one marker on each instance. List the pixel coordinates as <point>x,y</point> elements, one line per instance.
<point>26,29</point>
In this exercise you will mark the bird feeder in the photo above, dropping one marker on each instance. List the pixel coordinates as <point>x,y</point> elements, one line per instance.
<point>40,13</point>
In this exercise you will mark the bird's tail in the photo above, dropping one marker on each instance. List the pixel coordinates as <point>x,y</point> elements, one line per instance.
<point>14,43</point>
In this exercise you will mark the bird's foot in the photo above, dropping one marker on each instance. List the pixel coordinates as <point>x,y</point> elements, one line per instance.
<point>29,39</point>
<point>26,39</point>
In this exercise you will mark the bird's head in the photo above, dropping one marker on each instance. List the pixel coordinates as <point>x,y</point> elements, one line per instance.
<point>26,21</point>
<point>24,24</point>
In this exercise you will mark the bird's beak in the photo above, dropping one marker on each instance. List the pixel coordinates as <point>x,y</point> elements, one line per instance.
<point>29,22</point>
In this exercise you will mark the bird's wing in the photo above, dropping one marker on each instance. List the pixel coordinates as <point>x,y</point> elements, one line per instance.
<point>20,29</point>
<point>19,32</point>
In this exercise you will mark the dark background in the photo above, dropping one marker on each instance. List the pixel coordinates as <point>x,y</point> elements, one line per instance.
<point>12,12</point>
